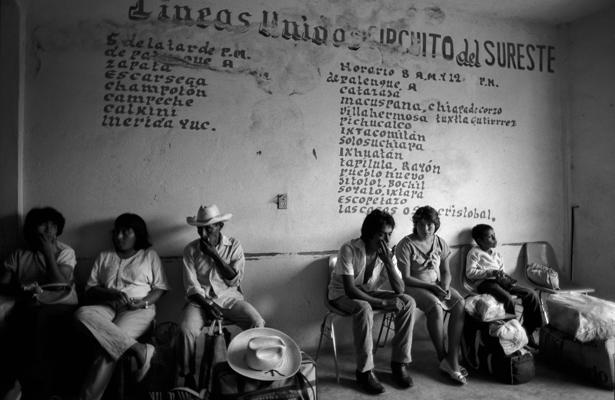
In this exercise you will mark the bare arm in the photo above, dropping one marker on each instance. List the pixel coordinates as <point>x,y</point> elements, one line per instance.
<point>6,286</point>
<point>445,274</point>
<point>150,299</point>
<point>56,273</point>
<point>397,284</point>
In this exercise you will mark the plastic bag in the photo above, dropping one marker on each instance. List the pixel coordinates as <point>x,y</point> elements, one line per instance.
<point>511,335</point>
<point>485,307</point>
<point>586,318</point>
<point>543,276</point>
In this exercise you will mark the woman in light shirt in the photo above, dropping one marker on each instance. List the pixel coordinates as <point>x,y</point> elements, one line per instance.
<point>123,287</point>
<point>422,258</point>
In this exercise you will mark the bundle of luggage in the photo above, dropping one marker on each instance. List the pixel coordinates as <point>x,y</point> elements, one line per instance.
<point>581,336</point>
<point>495,346</point>
<point>258,364</point>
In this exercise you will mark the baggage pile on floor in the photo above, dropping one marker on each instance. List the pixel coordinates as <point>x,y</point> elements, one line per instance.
<point>581,336</point>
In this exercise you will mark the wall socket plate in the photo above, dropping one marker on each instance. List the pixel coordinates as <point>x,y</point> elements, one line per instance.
<point>282,201</point>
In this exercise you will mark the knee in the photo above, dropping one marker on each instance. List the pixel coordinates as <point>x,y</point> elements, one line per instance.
<point>409,302</point>
<point>436,312</point>
<point>188,329</point>
<point>362,310</point>
<point>83,314</point>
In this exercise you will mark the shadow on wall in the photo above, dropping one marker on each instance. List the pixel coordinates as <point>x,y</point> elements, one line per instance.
<point>93,238</point>
<point>10,234</point>
<point>295,301</point>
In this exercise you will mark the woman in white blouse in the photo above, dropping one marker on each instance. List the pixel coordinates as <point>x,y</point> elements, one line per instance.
<point>124,285</point>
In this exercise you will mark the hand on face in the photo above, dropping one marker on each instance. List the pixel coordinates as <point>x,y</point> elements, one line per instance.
<point>383,250</point>
<point>47,235</point>
<point>205,246</point>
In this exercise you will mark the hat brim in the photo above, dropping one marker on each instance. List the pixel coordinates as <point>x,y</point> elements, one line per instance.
<point>237,350</point>
<point>221,218</point>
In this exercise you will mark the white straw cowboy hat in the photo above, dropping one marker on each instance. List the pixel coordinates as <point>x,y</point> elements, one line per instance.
<point>208,215</point>
<point>264,354</point>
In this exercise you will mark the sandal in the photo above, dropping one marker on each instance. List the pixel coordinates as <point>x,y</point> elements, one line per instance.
<point>457,376</point>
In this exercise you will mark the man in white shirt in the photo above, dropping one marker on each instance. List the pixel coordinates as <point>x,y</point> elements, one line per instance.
<point>363,266</point>
<point>213,267</point>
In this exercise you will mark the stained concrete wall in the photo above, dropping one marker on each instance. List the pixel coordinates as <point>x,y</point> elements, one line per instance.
<point>592,138</point>
<point>483,140</point>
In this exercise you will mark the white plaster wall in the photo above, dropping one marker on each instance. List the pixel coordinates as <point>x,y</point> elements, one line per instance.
<point>592,121</point>
<point>92,173</point>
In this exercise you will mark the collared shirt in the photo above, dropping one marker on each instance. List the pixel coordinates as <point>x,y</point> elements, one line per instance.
<point>136,276</point>
<point>29,266</point>
<point>423,266</point>
<point>479,262</point>
<point>201,275</point>
<point>352,260</point>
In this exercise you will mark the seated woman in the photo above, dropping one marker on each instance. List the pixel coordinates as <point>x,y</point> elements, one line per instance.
<point>422,258</point>
<point>123,287</point>
<point>36,333</point>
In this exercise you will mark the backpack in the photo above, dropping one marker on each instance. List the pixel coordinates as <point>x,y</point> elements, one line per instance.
<point>482,351</point>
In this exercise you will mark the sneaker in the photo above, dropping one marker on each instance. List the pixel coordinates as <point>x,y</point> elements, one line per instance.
<point>369,382</point>
<point>400,375</point>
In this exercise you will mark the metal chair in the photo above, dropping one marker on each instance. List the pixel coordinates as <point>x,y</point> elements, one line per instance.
<point>542,253</point>
<point>327,327</point>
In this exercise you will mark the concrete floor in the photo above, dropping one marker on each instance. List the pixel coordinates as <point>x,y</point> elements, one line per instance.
<point>549,382</point>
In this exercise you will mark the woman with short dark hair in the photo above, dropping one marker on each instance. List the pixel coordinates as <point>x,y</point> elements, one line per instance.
<point>36,330</point>
<point>422,258</point>
<point>123,287</point>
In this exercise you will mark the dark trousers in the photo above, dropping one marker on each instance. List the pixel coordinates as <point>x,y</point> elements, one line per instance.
<point>532,316</point>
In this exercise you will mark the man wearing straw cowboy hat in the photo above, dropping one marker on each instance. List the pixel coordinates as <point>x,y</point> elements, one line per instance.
<point>212,271</point>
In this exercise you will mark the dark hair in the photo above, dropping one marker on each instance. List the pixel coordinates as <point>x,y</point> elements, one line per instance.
<point>374,221</point>
<point>38,216</point>
<point>479,231</point>
<point>137,224</point>
<point>426,213</point>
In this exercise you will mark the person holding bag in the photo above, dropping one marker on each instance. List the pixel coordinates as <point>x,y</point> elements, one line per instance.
<point>36,332</point>
<point>123,288</point>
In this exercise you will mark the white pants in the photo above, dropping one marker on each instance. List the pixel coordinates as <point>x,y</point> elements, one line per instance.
<point>116,333</point>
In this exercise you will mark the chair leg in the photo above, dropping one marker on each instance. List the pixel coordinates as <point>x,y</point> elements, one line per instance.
<point>322,335</point>
<point>337,369</point>
<point>545,316</point>
<point>328,329</point>
<point>384,317</point>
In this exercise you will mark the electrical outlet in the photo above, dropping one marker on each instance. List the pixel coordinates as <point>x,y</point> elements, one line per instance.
<point>282,201</point>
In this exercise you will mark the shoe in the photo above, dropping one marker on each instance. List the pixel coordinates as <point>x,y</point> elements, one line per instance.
<point>149,353</point>
<point>369,382</point>
<point>400,375</point>
<point>457,376</point>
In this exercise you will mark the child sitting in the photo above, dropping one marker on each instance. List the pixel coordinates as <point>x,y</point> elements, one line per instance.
<point>485,272</point>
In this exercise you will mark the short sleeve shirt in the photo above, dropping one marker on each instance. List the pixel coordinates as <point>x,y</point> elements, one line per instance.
<point>28,266</point>
<point>351,260</point>
<point>423,266</point>
<point>136,276</point>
